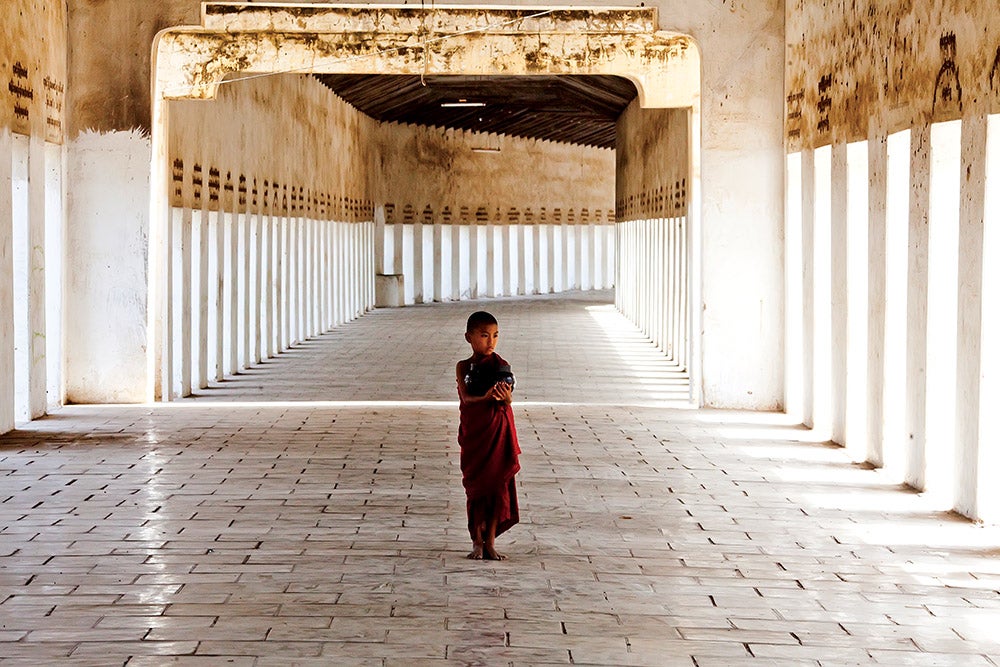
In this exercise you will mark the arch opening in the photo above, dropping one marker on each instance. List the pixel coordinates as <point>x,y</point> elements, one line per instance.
<point>247,42</point>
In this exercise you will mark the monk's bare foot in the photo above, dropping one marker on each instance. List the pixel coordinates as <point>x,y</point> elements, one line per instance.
<point>489,553</point>
<point>476,553</point>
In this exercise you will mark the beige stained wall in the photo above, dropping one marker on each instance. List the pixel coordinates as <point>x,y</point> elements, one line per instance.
<point>33,66</point>
<point>893,63</point>
<point>652,163</point>
<point>426,168</point>
<point>246,133</point>
<point>109,59</point>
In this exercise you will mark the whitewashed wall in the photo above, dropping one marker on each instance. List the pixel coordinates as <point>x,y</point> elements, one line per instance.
<point>105,303</point>
<point>891,182</point>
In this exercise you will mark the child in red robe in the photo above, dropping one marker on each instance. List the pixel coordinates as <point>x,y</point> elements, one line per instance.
<point>487,438</point>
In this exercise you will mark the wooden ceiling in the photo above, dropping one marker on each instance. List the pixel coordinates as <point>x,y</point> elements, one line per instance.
<point>569,109</point>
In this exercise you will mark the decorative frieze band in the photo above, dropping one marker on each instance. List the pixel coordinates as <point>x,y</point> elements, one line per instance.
<point>261,194</point>
<point>408,214</point>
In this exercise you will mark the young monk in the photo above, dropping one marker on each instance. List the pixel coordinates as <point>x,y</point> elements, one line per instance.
<point>487,438</point>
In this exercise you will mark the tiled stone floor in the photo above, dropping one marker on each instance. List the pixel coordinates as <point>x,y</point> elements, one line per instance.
<point>327,527</point>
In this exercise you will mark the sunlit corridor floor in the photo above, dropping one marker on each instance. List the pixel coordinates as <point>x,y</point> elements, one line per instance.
<point>311,512</point>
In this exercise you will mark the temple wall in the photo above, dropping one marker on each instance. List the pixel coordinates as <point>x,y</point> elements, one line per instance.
<point>652,174</point>
<point>32,119</point>
<point>102,92</point>
<point>269,246</point>
<point>469,215</point>
<point>890,126</point>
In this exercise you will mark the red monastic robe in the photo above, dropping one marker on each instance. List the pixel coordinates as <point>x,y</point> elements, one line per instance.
<point>488,441</point>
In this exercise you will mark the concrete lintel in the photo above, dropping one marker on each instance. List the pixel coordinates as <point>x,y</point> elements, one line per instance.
<point>441,19</point>
<point>192,61</point>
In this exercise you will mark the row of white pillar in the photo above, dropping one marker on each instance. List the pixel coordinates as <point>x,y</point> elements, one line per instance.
<point>652,283</point>
<point>31,242</point>
<point>244,285</point>
<point>894,305</point>
<point>449,262</point>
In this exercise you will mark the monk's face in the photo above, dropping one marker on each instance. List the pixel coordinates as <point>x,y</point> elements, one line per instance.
<point>483,339</point>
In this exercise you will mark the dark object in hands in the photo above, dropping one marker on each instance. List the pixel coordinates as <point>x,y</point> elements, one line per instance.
<point>481,378</point>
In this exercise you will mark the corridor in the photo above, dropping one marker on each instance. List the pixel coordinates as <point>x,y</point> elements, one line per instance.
<point>310,511</point>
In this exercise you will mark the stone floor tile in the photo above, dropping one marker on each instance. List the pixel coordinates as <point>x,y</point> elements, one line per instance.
<point>310,511</point>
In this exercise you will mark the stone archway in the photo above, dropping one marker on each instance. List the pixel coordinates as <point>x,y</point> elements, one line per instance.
<point>190,62</point>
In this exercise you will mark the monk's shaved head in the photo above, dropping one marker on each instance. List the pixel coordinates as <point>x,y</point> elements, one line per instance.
<point>478,319</point>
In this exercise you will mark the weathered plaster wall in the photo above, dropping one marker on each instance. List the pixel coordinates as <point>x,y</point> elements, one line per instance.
<point>33,63</point>
<point>287,130</point>
<point>888,124</point>
<point>892,63</point>
<point>109,60</point>
<point>423,167</point>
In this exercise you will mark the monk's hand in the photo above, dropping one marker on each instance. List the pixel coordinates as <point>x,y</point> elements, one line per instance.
<point>502,392</point>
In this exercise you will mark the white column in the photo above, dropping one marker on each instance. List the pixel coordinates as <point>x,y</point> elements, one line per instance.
<point>916,310</point>
<point>397,249</point>
<point>987,489</point>
<point>970,320</point>
<point>37,384</point>
<point>219,275</point>
<point>353,277</point>
<point>566,281</point>
<point>490,261</point>
<point>793,286</point>
<point>455,230</point>
<point>897,211</point>
<point>204,280</point>
<point>232,274</point>
<point>255,288</point>
<point>683,307</point>
<point>186,257</point>
<point>281,281</point>
<point>266,298</point>
<point>299,263</point>
<point>380,239</point>
<point>474,229</point>
<point>55,234</point>
<point>324,272</point>
<point>246,280</point>
<point>418,261</point>
<point>878,157</point>
<point>838,284</point>
<point>855,405</point>
<point>550,258</point>
<point>808,207</point>
<point>521,232</point>
<point>506,275</point>
<point>822,293</point>
<point>536,258</point>
<point>307,274</point>
<point>340,292</point>
<point>370,273</point>
<point>942,307</point>
<point>6,284</point>
<point>438,265</point>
